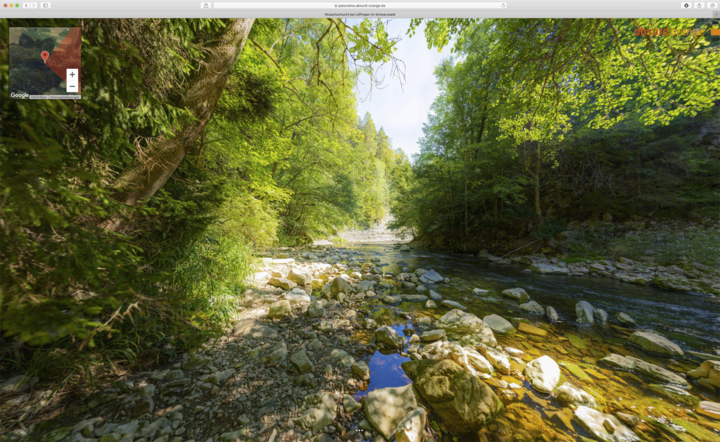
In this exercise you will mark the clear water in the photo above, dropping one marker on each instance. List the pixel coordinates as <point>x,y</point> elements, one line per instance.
<point>690,320</point>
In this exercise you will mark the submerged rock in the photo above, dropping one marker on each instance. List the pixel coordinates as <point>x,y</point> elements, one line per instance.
<point>625,319</point>
<point>463,402</point>
<point>386,407</point>
<point>652,371</point>
<point>601,317</point>
<point>453,304</point>
<point>571,395</point>
<point>543,374</point>
<point>498,324</point>
<point>585,313</point>
<point>431,277</point>
<point>595,422</point>
<point>552,314</point>
<point>655,343</point>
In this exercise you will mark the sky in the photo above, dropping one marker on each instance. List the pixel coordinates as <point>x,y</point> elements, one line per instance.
<point>401,113</point>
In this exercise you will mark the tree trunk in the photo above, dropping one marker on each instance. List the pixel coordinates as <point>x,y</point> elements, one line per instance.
<point>140,183</point>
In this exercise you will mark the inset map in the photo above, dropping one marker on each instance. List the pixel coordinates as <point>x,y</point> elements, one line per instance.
<point>45,63</point>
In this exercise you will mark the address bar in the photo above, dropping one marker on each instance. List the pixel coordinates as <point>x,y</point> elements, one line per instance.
<point>359,5</point>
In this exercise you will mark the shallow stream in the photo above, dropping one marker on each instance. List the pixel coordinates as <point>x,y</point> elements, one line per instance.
<point>690,320</point>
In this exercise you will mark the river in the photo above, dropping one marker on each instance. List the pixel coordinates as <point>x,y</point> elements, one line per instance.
<point>690,320</point>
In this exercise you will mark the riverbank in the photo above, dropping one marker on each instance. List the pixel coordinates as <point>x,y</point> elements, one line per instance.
<point>328,332</point>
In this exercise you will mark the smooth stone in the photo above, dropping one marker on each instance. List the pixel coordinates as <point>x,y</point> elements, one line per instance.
<point>674,392</point>
<point>570,395</point>
<point>430,304</point>
<point>585,313</point>
<point>543,374</point>
<point>527,328</point>
<point>601,317</point>
<point>433,335</point>
<point>625,319</point>
<point>593,421</point>
<point>386,407</point>
<point>498,324</point>
<point>552,314</point>
<point>431,277</point>
<point>435,295</point>
<point>515,293</point>
<point>652,371</point>
<point>533,308</point>
<point>655,343</point>
<point>453,304</point>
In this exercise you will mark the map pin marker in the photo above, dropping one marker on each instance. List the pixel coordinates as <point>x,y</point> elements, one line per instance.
<point>45,56</point>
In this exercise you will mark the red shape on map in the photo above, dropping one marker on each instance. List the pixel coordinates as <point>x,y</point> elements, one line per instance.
<point>45,56</point>
<point>67,55</point>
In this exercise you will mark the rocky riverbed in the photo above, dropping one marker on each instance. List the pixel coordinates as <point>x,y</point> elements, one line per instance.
<point>388,342</point>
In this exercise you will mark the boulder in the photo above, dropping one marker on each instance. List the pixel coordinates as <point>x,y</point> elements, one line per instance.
<point>463,402</point>
<point>532,308</point>
<point>498,324</point>
<point>279,309</point>
<point>597,424</point>
<point>569,394</point>
<point>301,361</point>
<point>601,317</point>
<point>412,427</point>
<point>585,313</point>
<point>552,314</point>
<point>340,285</point>
<point>388,336</point>
<point>386,407</point>
<point>625,319</point>
<point>433,335</point>
<point>515,293</point>
<point>655,343</point>
<point>431,277</point>
<point>299,277</point>
<point>459,322</point>
<point>283,283</point>
<point>453,304</point>
<point>643,368</point>
<point>435,295</point>
<point>707,374</point>
<point>543,374</point>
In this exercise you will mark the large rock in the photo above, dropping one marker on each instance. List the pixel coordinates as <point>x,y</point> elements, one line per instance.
<point>498,324</point>
<point>654,343</point>
<point>552,314</point>
<point>463,402</point>
<point>532,307</point>
<point>516,293</point>
<point>253,328</point>
<point>412,427</point>
<point>496,357</point>
<point>601,317</point>
<point>707,374</point>
<point>466,328</point>
<point>543,374</point>
<point>299,277</point>
<point>297,296</point>
<point>388,336</point>
<point>433,335</point>
<point>279,309</point>
<point>340,285</point>
<point>386,407</point>
<point>301,361</point>
<point>283,283</point>
<point>431,277</point>
<point>569,394</point>
<point>652,371</point>
<point>585,313</point>
<point>595,423</point>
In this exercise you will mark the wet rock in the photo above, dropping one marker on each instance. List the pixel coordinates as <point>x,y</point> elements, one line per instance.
<point>552,314</point>
<point>435,295</point>
<point>674,392</point>
<point>652,371</point>
<point>301,361</point>
<point>625,319</point>
<point>430,304</point>
<point>388,336</point>
<point>414,298</point>
<point>568,394</point>
<point>463,402</point>
<point>278,355</point>
<point>279,309</point>
<point>412,427</point>
<point>516,293</point>
<point>431,277</point>
<point>361,370</point>
<point>527,328</point>
<point>601,317</point>
<point>655,343</point>
<point>629,419</point>
<point>533,308</point>
<point>709,409</point>
<point>549,269</point>
<point>350,404</point>
<point>585,313</point>
<point>707,374</point>
<point>433,335</point>
<point>497,358</point>
<point>283,283</point>
<point>498,324</point>
<point>386,407</point>
<point>593,421</point>
<point>543,374</point>
<point>390,299</point>
<point>453,304</point>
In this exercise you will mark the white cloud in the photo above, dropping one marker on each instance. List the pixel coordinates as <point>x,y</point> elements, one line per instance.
<point>402,113</point>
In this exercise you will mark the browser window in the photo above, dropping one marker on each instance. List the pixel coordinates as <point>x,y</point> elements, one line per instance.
<point>327,221</point>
